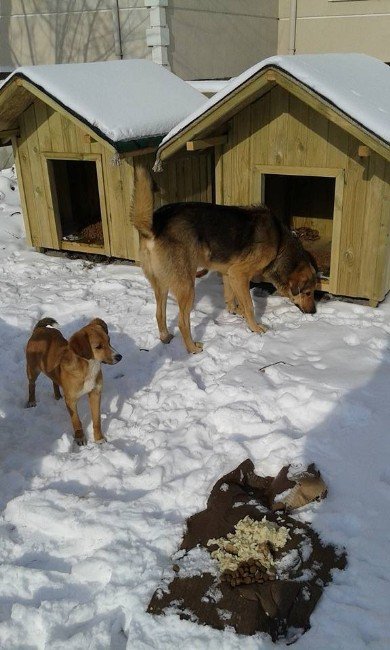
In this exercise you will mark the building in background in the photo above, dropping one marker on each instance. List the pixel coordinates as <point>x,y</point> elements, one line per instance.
<point>318,26</point>
<point>196,39</point>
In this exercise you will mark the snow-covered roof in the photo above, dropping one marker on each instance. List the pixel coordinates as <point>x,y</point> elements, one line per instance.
<point>209,86</point>
<point>358,85</point>
<point>129,100</point>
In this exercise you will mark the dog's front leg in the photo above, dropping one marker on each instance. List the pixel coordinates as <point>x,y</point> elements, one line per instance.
<point>94,402</point>
<point>240,286</point>
<point>230,299</point>
<point>56,389</point>
<point>232,304</point>
<point>71,405</point>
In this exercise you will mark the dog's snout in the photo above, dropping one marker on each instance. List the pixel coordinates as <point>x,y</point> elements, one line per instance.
<point>117,357</point>
<point>312,310</point>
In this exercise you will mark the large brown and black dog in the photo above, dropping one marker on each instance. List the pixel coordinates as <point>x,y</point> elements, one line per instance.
<point>238,242</point>
<point>73,365</point>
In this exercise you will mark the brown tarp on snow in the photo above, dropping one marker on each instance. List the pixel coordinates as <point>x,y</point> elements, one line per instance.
<point>281,608</point>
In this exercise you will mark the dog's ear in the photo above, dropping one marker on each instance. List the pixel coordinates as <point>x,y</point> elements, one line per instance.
<point>294,287</point>
<point>294,281</point>
<point>101,323</point>
<point>80,344</point>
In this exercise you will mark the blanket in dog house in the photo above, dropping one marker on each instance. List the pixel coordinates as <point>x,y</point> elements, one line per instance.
<point>245,562</point>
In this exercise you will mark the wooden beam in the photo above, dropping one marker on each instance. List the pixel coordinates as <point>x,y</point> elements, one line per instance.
<point>6,135</point>
<point>198,145</point>
<point>364,151</point>
<point>138,152</point>
<point>270,75</point>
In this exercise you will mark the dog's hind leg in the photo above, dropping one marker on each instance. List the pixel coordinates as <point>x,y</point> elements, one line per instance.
<point>56,389</point>
<point>32,375</point>
<point>161,295</point>
<point>240,285</point>
<point>184,293</point>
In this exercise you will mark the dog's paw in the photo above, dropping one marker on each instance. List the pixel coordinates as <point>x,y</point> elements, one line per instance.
<point>166,339</point>
<point>30,404</point>
<point>259,329</point>
<point>198,347</point>
<point>99,441</point>
<point>80,440</point>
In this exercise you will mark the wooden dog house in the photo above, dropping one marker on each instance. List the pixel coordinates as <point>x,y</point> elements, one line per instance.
<point>310,136</point>
<point>76,131</point>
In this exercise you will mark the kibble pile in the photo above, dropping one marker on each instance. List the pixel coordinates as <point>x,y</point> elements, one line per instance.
<point>247,573</point>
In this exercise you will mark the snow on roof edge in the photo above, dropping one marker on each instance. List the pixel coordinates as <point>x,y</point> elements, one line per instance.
<point>280,62</point>
<point>114,115</point>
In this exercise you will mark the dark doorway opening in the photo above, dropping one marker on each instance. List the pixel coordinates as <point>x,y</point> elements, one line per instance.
<point>76,192</point>
<point>306,205</point>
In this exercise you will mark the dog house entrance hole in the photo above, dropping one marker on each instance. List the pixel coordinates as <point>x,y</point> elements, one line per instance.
<point>76,192</point>
<point>306,205</point>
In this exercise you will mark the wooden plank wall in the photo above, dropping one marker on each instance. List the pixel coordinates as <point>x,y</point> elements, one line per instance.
<point>279,129</point>
<point>42,129</point>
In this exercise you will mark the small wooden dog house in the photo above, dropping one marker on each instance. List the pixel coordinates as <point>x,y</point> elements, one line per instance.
<point>76,130</point>
<point>308,135</point>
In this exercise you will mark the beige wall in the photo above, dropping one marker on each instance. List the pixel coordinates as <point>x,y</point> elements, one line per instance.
<point>215,39</point>
<point>208,38</point>
<point>337,26</point>
<point>61,31</point>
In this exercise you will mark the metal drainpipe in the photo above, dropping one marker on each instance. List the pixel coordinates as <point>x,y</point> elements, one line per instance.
<point>293,26</point>
<point>117,32</point>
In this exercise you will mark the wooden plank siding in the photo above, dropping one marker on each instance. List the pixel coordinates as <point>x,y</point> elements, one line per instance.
<point>282,132</point>
<point>46,134</point>
<point>382,270</point>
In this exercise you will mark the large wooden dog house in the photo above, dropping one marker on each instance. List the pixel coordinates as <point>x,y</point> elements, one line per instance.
<point>310,136</point>
<point>76,131</point>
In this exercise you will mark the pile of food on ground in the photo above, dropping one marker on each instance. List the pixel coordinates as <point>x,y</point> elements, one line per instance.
<point>246,556</point>
<point>244,566</point>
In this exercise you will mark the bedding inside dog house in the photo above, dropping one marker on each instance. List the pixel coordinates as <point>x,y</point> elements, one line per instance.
<point>302,134</point>
<point>74,186</point>
<point>77,131</point>
<point>305,204</point>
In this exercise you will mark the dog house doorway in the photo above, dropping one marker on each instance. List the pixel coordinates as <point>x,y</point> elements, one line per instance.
<point>309,202</point>
<point>77,195</point>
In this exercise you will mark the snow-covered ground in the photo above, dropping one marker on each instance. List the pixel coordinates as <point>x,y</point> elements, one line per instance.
<point>86,533</point>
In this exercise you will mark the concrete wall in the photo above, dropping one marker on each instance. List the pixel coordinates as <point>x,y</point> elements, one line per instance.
<point>59,31</point>
<point>337,26</point>
<point>215,39</point>
<point>208,38</point>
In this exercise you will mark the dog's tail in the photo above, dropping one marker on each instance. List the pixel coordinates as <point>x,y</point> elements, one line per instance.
<point>46,322</point>
<point>143,202</point>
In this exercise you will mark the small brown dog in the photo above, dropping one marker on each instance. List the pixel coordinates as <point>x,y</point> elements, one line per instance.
<point>73,365</point>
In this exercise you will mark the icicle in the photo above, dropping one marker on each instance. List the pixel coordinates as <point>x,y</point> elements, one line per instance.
<point>115,160</point>
<point>157,167</point>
